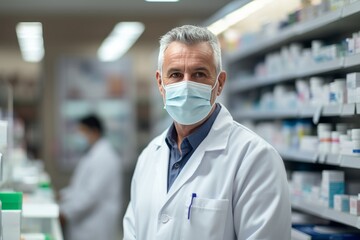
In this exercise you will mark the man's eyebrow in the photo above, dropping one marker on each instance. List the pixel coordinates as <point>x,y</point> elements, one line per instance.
<point>173,70</point>
<point>204,69</point>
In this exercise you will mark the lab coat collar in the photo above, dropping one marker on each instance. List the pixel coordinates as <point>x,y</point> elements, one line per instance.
<point>217,139</point>
<point>219,131</point>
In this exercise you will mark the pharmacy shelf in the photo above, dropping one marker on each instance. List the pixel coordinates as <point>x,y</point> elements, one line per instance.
<point>40,210</point>
<point>296,155</point>
<point>350,161</point>
<point>343,64</point>
<point>330,22</point>
<point>334,159</point>
<point>258,114</point>
<point>324,212</point>
<point>303,112</point>
<point>48,226</point>
<point>314,157</point>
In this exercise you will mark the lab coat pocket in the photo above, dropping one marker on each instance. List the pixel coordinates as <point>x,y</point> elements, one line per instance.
<point>205,219</point>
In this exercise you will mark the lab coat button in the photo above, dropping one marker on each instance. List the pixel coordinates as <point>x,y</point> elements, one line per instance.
<point>176,165</point>
<point>164,218</point>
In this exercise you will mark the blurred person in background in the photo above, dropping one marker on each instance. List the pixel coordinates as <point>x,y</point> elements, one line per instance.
<point>90,205</point>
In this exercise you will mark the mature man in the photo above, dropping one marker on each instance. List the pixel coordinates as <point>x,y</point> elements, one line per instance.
<point>91,204</point>
<point>206,177</point>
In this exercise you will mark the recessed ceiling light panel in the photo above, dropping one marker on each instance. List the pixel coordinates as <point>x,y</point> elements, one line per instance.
<point>30,37</point>
<point>120,40</point>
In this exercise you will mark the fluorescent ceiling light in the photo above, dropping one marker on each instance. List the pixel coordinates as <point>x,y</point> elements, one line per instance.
<point>120,40</point>
<point>161,0</point>
<point>30,37</point>
<point>236,16</point>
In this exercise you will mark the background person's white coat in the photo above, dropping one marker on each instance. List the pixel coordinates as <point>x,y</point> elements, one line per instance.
<point>92,201</point>
<point>241,188</point>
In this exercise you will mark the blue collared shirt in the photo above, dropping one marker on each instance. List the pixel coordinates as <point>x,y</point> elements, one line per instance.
<point>177,159</point>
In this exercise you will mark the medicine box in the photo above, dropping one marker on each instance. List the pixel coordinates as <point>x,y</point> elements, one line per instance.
<point>354,205</point>
<point>332,183</point>
<point>341,202</point>
<point>353,80</point>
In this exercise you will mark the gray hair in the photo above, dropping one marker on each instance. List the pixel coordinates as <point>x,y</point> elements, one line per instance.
<point>189,35</point>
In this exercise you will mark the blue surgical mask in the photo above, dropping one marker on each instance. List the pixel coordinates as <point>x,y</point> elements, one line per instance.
<point>188,102</point>
<point>81,142</point>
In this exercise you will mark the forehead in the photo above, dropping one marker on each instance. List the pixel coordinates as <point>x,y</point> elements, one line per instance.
<point>181,55</point>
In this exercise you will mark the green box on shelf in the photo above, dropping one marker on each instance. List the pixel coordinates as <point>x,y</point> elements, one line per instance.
<point>11,200</point>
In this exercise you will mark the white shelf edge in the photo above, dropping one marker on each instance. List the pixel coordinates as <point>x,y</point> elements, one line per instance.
<point>314,69</point>
<point>352,61</point>
<point>296,155</point>
<point>350,161</point>
<point>348,109</point>
<point>322,67</point>
<point>333,159</point>
<point>332,110</point>
<point>40,210</point>
<point>313,157</point>
<point>265,114</point>
<point>324,212</point>
<point>351,9</point>
<point>303,112</point>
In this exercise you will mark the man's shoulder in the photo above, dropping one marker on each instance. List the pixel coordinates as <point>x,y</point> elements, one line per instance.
<point>247,136</point>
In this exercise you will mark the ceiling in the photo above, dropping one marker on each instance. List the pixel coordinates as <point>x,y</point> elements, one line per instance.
<point>81,25</point>
<point>128,8</point>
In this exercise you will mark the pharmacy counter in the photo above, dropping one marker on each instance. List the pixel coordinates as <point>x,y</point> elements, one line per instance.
<point>41,214</point>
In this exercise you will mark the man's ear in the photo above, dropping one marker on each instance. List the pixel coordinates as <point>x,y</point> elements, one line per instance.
<point>159,83</point>
<point>222,80</point>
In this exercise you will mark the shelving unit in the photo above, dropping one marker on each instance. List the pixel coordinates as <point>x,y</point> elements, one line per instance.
<point>314,157</point>
<point>341,22</point>
<point>339,65</point>
<point>303,112</point>
<point>324,212</point>
<point>300,156</point>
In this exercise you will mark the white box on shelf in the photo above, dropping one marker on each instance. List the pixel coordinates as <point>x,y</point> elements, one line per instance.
<point>353,80</point>
<point>354,205</point>
<point>3,134</point>
<point>341,202</point>
<point>332,183</point>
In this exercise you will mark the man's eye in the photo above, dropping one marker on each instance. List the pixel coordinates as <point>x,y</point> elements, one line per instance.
<point>200,75</point>
<point>175,75</point>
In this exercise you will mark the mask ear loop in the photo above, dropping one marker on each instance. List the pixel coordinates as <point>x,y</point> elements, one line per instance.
<point>163,86</point>
<point>216,82</point>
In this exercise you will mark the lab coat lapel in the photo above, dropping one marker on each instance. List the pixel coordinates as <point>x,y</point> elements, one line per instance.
<point>188,171</point>
<point>161,172</point>
<point>217,139</point>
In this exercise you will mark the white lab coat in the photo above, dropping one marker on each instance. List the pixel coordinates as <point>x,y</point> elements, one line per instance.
<point>92,201</point>
<point>239,180</point>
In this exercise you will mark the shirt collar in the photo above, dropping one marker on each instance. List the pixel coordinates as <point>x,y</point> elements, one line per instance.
<point>197,136</point>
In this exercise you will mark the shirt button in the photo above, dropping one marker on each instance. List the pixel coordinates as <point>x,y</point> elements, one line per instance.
<point>176,165</point>
<point>164,218</point>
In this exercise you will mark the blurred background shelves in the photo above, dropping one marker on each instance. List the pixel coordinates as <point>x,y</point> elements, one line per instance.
<point>324,212</point>
<point>337,20</point>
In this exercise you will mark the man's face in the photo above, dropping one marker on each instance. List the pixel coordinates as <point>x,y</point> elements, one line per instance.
<point>189,62</point>
<point>84,131</point>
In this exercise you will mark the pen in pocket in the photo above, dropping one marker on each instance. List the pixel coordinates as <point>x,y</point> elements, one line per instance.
<point>192,199</point>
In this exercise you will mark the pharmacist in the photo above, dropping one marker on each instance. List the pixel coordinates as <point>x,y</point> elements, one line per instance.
<point>90,205</point>
<point>206,176</point>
